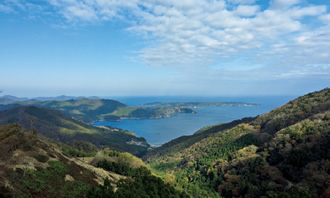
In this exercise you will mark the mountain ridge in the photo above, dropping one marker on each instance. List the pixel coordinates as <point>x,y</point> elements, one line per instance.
<point>61,127</point>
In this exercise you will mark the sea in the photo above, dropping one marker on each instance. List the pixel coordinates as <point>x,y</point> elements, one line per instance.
<point>160,131</point>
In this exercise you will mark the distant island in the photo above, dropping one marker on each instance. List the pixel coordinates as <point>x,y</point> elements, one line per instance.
<point>196,104</point>
<point>157,112</point>
<point>6,99</point>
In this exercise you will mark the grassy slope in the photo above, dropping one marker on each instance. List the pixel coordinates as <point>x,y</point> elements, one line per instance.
<point>262,157</point>
<point>32,166</point>
<point>123,112</point>
<point>60,127</point>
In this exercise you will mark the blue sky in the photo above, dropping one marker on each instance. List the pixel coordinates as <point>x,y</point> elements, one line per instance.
<point>168,47</point>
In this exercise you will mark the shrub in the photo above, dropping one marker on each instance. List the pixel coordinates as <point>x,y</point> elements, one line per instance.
<point>41,158</point>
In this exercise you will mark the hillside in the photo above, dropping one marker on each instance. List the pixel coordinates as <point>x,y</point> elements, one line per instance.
<point>4,100</point>
<point>60,127</point>
<point>8,106</point>
<point>284,153</point>
<point>87,110</point>
<point>33,166</point>
<point>183,142</point>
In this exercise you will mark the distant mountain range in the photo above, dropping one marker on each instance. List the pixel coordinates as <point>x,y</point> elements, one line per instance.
<point>6,99</point>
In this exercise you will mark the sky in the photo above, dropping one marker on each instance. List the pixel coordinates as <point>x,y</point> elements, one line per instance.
<point>164,47</point>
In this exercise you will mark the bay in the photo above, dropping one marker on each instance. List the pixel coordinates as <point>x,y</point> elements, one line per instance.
<point>159,131</point>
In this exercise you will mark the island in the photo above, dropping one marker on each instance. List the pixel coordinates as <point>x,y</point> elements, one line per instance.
<point>144,112</point>
<point>196,104</point>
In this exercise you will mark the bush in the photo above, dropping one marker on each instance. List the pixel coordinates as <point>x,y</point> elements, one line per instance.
<point>41,158</point>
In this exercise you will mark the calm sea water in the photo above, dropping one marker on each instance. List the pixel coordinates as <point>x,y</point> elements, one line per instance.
<point>159,131</point>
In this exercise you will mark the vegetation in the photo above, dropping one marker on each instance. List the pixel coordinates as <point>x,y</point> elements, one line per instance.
<point>32,166</point>
<point>45,182</point>
<point>185,142</point>
<point>141,183</point>
<point>79,149</point>
<point>284,153</point>
<point>295,111</point>
<point>87,110</point>
<point>63,128</point>
<point>150,112</point>
<point>118,158</point>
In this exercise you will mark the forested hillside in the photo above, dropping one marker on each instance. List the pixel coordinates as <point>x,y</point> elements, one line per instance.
<point>87,110</point>
<point>33,166</point>
<point>283,153</point>
<point>60,127</point>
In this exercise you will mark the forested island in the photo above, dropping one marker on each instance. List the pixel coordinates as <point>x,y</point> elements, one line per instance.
<point>196,104</point>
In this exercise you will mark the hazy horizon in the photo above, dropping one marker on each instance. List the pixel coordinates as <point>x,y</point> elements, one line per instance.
<point>20,95</point>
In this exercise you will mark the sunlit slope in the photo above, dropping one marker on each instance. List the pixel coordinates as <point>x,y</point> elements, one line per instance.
<point>34,166</point>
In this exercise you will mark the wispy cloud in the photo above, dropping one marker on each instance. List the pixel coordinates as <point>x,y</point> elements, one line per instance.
<point>280,4</point>
<point>6,9</point>
<point>200,33</point>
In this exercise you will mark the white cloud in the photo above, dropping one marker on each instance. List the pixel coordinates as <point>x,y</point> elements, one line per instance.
<point>280,4</point>
<point>245,10</point>
<point>199,33</point>
<point>325,18</point>
<point>297,12</point>
<point>92,10</point>
<point>242,1</point>
<point>81,11</point>
<point>6,9</point>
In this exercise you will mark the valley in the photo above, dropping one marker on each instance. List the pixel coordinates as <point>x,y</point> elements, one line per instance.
<point>283,153</point>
